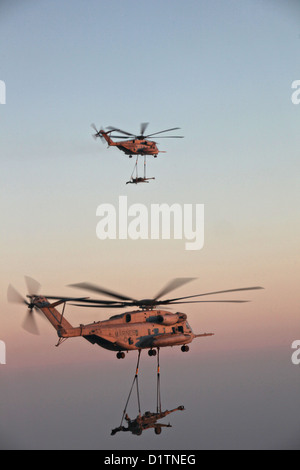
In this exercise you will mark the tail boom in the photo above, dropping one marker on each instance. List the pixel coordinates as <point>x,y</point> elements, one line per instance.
<point>107,138</point>
<point>56,319</point>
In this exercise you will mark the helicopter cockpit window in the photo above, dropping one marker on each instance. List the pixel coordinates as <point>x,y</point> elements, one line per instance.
<point>177,329</point>
<point>128,318</point>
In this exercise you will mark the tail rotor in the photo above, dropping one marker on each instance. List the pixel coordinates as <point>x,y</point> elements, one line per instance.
<point>13,296</point>
<point>98,133</point>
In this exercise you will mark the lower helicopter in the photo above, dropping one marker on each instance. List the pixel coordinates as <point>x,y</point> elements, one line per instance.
<point>146,327</point>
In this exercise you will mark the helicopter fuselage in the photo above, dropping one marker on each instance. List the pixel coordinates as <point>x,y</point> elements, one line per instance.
<point>134,146</point>
<point>138,147</point>
<point>139,330</point>
<point>135,330</point>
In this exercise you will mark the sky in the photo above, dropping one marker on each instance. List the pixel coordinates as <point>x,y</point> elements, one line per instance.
<point>222,72</point>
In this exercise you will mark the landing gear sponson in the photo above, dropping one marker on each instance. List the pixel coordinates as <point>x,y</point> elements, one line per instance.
<point>151,352</point>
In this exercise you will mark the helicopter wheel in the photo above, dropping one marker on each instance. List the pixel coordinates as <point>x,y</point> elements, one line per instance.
<point>152,352</point>
<point>185,348</point>
<point>120,355</point>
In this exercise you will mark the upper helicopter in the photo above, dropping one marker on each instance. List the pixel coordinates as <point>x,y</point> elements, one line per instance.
<point>132,144</point>
<point>146,328</point>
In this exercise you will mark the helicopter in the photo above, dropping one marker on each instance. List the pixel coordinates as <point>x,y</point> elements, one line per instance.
<point>148,327</point>
<point>132,144</point>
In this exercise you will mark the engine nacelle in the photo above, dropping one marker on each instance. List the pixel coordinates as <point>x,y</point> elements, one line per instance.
<point>171,318</point>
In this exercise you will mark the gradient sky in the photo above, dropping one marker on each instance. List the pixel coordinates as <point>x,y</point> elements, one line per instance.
<point>221,71</point>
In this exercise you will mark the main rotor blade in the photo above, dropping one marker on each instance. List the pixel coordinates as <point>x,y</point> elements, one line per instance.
<point>117,305</point>
<point>100,290</point>
<point>144,126</point>
<point>66,299</point>
<point>169,137</point>
<point>161,132</point>
<point>217,292</point>
<point>172,285</point>
<point>14,296</point>
<point>33,286</point>
<point>122,137</point>
<point>98,305</point>
<point>120,130</point>
<point>204,301</point>
<point>84,300</point>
